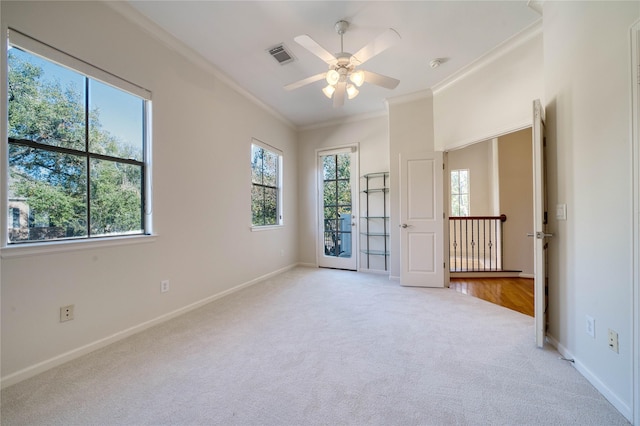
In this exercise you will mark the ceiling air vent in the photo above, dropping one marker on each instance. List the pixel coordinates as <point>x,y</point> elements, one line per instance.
<point>281,54</point>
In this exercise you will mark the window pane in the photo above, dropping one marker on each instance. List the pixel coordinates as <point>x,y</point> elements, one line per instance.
<point>49,190</point>
<point>270,206</point>
<point>464,182</point>
<point>115,122</point>
<point>46,101</point>
<point>464,205</point>
<point>116,198</point>
<point>455,205</point>
<point>344,166</point>
<point>455,182</point>
<point>270,169</point>
<point>257,205</point>
<point>256,164</point>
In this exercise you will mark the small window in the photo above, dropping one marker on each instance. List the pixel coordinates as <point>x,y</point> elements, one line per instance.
<point>460,193</point>
<point>266,177</point>
<point>76,148</point>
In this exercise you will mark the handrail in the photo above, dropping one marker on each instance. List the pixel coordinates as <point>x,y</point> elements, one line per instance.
<point>502,217</point>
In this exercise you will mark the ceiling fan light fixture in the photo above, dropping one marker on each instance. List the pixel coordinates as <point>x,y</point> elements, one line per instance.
<point>328,91</point>
<point>352,92</point>
<point>357,77</point>
<point>332,77</point>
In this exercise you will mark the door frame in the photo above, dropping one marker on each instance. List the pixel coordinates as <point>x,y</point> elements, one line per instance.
<point>635,124</point>
<point>540,234</point>
<point>355,200</point>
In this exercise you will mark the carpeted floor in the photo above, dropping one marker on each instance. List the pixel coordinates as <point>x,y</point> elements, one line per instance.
<point>320,347</point>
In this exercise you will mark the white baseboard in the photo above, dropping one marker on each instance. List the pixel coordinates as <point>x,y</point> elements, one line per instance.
<point>523,275</point>
<point>624,409</point>
<point>43,366</point>
<point>393,278</point>
<point>307,265</point>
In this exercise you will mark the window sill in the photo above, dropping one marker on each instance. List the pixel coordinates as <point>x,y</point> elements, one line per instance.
<point>265,228</point>
<point>54,247</point>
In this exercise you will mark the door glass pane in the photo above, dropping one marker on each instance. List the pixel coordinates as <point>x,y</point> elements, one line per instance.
<point>48,188</point>
<point>337,205</point>
<point>344,166</point>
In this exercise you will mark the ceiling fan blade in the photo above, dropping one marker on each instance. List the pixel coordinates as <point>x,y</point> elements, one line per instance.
<point>305,81</point>
<point>338,96</point>
<point>312,46</point>
<point>380,80</point>
<point>378,45</point>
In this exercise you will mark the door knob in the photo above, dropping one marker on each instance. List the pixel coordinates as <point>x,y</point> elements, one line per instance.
<point>404,225</point>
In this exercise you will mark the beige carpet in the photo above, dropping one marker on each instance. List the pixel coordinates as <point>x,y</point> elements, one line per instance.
<point>320,347</point>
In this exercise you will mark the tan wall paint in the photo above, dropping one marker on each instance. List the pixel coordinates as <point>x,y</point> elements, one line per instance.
<point>516,199</point>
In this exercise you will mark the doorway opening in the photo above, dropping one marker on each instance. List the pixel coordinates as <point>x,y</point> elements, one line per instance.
<point>498,182</point>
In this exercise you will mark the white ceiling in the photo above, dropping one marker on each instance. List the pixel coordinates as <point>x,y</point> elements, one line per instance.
<point>235,36</point>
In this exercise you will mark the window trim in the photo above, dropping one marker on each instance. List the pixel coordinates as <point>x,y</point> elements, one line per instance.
<point>51,54</point>
<point>279,187</point>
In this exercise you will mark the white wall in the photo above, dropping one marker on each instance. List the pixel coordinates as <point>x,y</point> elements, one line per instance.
<point>410,130</point>
<point>202,131</point>
<point>372,137</point>
<point>587,88</point>
<point>491,98</point>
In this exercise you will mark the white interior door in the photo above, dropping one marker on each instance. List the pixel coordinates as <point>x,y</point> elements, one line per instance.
<point>337,199</point>
<point>540,222</point>
<point>421,220</point>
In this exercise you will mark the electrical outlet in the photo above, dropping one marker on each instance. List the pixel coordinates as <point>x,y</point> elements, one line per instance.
<point>591,326</point>
<point>613,341</point>
<point>66,313</point>
<point>164,286</point>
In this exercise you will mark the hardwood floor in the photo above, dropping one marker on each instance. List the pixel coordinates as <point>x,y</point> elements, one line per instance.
<point>512,293</point>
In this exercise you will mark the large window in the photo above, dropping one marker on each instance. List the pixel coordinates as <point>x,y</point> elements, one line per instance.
<point>460,193</point>
<point>266,194</point>
<point>76,149</point>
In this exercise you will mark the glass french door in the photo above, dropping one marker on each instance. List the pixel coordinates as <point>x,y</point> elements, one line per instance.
<point>338,220</point>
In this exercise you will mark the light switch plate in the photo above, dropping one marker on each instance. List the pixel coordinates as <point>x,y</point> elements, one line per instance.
<point>561,211</point>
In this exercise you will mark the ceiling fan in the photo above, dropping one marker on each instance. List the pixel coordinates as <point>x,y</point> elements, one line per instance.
<point>343,77</point>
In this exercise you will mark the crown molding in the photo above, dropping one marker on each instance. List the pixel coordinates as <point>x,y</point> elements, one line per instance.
<point>134,16</point>
<point>500,50</point>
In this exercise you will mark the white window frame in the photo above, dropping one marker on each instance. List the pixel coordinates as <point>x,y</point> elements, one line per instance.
<point>279,186</point>
<point>51,54</point>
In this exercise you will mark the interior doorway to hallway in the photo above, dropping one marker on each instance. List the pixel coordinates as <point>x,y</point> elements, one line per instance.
<point>498,176</point>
